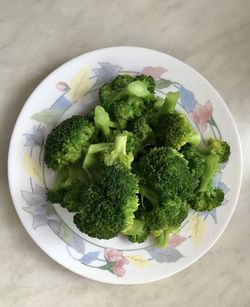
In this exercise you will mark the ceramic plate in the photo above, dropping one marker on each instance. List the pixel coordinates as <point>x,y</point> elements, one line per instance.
<point>73,89</point>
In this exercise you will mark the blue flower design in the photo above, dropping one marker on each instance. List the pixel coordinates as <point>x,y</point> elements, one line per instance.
<point>42,211</point>
<point>187,99</point>
<point>36,138</point>
<point>106,73</point>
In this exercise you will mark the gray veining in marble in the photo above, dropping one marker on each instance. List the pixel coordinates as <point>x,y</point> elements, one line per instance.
<point>36,37</point>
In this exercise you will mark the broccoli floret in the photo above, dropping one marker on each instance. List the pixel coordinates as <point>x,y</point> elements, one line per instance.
<point>165,216</point>
<point>121,81</point>
<point>196,160</point>
<point>166,171</point>
<point>148,80</point>
<point>57,192</point>
<point>119,155</point>
<point>107,205</point>
<point>141,128</point>
<point>129,108</point>
<point>67,142</point>
<point>92,162</point>
<point>126,102</point>
<point>207,197</point>
<point>219,147</point>
<point>175,130</point>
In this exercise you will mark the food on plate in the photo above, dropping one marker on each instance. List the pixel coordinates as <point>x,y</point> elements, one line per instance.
<point>134,165</point>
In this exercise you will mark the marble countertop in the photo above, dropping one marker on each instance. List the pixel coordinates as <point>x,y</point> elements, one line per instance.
<point>36,37</point>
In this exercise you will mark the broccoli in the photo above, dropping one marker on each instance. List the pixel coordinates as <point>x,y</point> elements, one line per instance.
<point>103,123</point>
<point>166,172</point>
<point>121,81</point>
<point>141,128</point>
<point>196,160</point>
<point>65,177</point>
<point>219,147</point>
<point>125,102</point>
<point>148,80</point>
<point>170,102</point>
<point>166,214</point>
<point>119,153</point>
<point>67,142</point>
<point>175,130</point>
<point>207,197</point>
<point>106,207</point>
<point>161,106</point>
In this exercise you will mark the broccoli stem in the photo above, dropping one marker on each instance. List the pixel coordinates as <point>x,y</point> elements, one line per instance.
<point>162,237</point>
<point>149,194</point>
<point>120,144</point>
<point>135,228</point>
<point>90,159</point>
<point>136,88</point>
<point>195,140</point>
<point>170,103</point>
<point>211,168</point>
<point>102,121</point>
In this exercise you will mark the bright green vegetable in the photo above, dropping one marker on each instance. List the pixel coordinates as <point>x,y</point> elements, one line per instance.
<point>133,165</point>
<point>67,142</point>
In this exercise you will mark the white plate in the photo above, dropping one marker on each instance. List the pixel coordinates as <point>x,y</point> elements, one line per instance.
<point>71,89</point>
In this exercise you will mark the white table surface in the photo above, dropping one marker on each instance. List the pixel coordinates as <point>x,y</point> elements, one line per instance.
<point>36,37</point>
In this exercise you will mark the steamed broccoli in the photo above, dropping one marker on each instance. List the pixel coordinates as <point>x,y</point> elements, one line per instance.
<point>166,214</point>
<point>175,130</point>
<point>103,123</point>
<point>121,81</point>
<point>196,160</point>
<point>141,128</point>
<point>124,100</point>
<point>148,80</point>
<point>219,147</point>
<point>67,142</point>
<point>166,171</point>
<point>106,207</point>
<point>119,155</point>
<point>208,197</point>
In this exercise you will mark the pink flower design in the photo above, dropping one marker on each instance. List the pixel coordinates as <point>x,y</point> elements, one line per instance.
<point>114,256</point>
<point>202,114</point>
<point>62,86</point>
<point>155,72</point>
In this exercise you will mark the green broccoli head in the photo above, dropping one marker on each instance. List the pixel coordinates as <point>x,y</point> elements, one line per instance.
<point>148,80</point>
<point>196,160</point>
<point>129,108</point>
<point>141,128</point>
<point>125,102</point>
<point>207,200</point>
<point>175,130</point>
<point>207,196</point>
<point>165,171</point>
<point>118,155</point>
<point>107,206</point>
<point>121,81</point>
<point>219,147</point>
<point>166,218</point>
<point>67,142</point>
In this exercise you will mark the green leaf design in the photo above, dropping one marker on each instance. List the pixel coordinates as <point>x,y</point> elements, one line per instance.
<point>212,122</point>
<point>162,83</point>
<point>48,116</point>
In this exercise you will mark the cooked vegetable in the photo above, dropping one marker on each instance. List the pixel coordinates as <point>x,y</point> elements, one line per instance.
<point>134,165</point>
<point>67,142</point>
